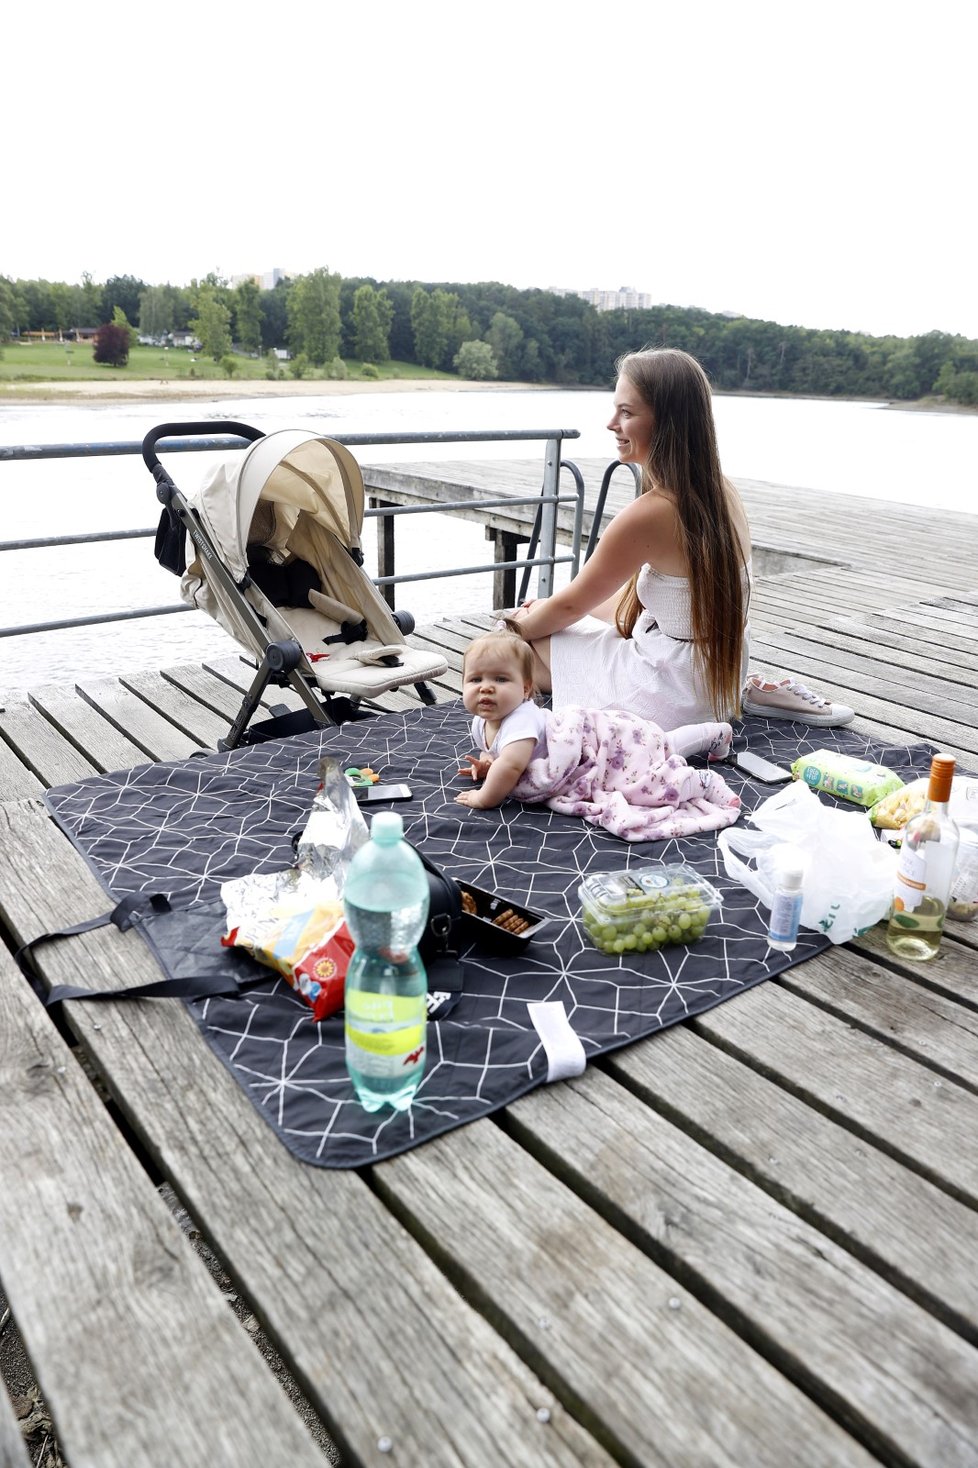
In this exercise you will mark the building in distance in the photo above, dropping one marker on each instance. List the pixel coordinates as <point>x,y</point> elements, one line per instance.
<point>625,298</point>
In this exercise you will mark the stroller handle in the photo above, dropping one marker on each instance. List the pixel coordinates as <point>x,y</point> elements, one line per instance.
<point>193,430</point>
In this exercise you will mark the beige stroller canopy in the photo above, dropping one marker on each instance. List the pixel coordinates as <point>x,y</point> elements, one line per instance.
<point>288,514</point>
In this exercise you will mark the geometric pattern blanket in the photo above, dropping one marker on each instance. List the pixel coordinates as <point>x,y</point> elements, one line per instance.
<point>183,828</point>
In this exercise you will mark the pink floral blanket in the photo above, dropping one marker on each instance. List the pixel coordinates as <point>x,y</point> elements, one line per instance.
<point>616,770</point>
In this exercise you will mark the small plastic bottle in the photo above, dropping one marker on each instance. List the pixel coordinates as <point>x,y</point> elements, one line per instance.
<point>385,900</point>
<point>925,871</point>
<point>782,932</point>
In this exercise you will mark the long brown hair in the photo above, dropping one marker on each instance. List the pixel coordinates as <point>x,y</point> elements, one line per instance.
<point>683,460</point>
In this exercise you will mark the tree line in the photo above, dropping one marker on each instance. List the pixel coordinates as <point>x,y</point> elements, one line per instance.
<point>493,330</point>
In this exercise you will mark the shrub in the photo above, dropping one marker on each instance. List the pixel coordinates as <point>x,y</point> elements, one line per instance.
<point>229,366</point>
<point>476,361</point>
<point>337,370</point>
<point>112,345</point>
<point>299,365</point>
<point>369,370</point>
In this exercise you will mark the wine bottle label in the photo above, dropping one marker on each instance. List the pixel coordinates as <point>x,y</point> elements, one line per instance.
<point>924,871</point>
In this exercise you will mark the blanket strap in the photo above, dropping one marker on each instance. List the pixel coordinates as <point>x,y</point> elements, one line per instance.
<point>125,915</point>
<point>564,1051</point>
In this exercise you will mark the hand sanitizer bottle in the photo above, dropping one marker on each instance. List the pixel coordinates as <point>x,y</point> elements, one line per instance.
<point>782,932</point>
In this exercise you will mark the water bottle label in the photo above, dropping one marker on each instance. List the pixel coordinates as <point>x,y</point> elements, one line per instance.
<point>404,1041</point>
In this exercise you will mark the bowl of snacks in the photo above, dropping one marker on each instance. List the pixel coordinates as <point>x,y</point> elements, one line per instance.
<point>496,922</point>
<point>642,910</point>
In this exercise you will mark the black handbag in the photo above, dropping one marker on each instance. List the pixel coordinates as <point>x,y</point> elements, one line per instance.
<point>439,943</point>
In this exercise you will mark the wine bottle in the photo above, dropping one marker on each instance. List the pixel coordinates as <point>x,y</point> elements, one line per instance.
<point>923,880</point>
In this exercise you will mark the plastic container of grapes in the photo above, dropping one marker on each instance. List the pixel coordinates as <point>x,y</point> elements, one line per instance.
<point>643,910</point>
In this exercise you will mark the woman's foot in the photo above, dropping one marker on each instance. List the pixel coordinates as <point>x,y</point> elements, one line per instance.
<point>789,699</point>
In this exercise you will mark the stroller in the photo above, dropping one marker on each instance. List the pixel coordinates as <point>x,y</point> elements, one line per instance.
<point>278,565</point>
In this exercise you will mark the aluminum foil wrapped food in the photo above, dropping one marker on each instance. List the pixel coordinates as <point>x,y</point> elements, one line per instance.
<point>292,920</point>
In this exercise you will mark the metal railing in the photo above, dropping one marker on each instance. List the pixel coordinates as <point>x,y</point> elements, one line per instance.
<point>542,552</point>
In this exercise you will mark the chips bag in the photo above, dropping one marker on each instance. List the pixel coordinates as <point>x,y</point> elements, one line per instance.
<point>292,920</point>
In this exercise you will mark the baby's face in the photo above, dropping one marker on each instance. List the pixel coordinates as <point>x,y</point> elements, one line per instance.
<point>492,684</point>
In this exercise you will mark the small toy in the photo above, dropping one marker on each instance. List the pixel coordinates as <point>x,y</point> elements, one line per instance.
<point>364,776</point>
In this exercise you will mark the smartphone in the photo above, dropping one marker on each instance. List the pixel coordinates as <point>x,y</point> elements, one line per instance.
<point>760,768</point>
<point>367,794</point>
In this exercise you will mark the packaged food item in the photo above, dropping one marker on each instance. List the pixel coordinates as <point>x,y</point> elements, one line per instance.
<point>846,776</point>
<point>292,920</point>
<point>643,909</point>
<point>894,811</point>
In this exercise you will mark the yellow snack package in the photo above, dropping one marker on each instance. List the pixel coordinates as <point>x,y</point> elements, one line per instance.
<point>894,811</point>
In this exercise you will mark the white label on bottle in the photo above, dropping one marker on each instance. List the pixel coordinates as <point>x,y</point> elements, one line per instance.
<point>924,871</point>
<point>965,884</point>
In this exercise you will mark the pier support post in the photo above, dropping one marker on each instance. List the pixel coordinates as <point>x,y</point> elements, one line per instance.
<point>505,547</point>
<point>385,547</point>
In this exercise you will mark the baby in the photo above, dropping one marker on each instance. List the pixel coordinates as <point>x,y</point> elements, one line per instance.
<point>511,730</point>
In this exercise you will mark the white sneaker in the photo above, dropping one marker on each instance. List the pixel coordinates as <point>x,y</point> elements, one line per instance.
<point>789,699</point>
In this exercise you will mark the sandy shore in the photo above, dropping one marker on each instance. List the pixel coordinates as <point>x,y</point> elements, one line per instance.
<point>182,389</point>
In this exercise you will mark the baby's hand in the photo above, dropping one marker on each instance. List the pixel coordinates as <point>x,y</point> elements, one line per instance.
<point>477,767</point>
<point>472,798</point>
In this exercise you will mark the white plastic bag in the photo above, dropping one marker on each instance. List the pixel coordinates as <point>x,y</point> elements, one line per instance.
<point>849,874</point>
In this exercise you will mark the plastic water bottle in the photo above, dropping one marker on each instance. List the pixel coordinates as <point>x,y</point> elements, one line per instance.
<point>385,899</point>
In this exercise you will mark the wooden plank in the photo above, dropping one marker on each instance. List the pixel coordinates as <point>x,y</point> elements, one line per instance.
<point>200,723</point>
<point>917,630</point>
<point>831,1323</point>
<point>631,1346</point>
<point>17,782</point>
<point>888,1003</point>
<point>42,749</point>
<point>928,687</point>
<point>377,1337</point>
<point>952,973</point>
<point>81,1222</point>
<point>913,1233</point>
<point>960,663</point>
<point>148,730</point>
<point>921,1118</point>
<point>83,725</point>
<point>847,686</point>
<point>13,1451</point>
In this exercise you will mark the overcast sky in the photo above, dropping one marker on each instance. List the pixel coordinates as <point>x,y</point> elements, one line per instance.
<point>804,163</point>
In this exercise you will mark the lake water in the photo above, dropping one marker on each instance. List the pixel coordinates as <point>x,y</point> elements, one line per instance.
<point>850,448</point>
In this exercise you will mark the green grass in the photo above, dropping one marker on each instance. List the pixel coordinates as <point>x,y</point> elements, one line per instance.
<point>75,362</point>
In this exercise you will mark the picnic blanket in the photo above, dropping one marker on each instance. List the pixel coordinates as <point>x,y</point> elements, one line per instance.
<point>184,827</point>
<point>614,769</point>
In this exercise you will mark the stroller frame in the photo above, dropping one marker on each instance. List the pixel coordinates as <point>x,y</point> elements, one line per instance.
<point>280,665</point>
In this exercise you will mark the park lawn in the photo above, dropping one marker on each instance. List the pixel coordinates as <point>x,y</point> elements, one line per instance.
<point>75,362</point>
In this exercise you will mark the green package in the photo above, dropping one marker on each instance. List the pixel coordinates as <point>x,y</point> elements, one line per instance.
<point>845,775</point>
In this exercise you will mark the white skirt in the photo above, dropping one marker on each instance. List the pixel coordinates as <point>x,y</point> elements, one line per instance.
<point>652,675</point>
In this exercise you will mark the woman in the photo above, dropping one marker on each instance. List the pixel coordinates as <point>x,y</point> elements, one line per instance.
<point>656,621</point>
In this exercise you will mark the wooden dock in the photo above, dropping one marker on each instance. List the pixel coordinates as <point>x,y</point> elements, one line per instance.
<point>750,1239</point>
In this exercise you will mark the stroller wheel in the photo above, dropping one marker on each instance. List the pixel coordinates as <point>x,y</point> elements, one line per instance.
<point>405,621</point>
